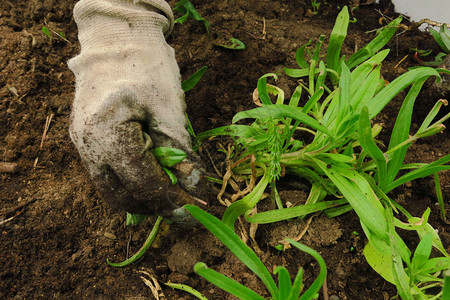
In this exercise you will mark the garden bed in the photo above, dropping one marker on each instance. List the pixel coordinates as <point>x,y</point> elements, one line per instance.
<point>61,232</point>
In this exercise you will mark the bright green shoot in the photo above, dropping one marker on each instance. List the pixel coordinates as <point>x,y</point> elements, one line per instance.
<point>442,37</point>
<point>188,10</point>
<point>286,289</point>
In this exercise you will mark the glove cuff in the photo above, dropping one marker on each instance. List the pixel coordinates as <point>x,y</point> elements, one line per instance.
<point>121,23</point>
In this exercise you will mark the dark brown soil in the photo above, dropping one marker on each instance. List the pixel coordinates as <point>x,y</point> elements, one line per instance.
<point>57,244</point>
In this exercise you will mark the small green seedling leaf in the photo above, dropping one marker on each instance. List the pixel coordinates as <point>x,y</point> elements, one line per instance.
<point>188,10</point>
<point>47,32</point>
<point>192,81</point>
<point>234,44</point>
<point>135,219</point>
<point>169,157</point>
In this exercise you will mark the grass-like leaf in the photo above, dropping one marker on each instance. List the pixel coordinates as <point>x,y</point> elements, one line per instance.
<point>151,237</point>
<point>400,132</point>
<point>234,243</point>
<point>337,38</point>
<point>369,146</point>
<point>227,284</point>
<point>278,111</point>
<point>189,83</point>
<point>292,212</point>
<point>375,45</point>
<point>318,282</point>
<point>396,86</point>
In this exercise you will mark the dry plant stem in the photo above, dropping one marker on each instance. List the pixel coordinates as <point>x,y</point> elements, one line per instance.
<point>287,245</point>
<point>325,289</point>
<point>402,60</point>
<point>48,120</point>
<point>16,211</point>
<point>227,177</point>
<point>7,167</point>
<point>253,229</point>
<point>213,164</point>
<point>153,285</point>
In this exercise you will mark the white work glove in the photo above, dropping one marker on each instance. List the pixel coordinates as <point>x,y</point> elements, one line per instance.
<point>128,89</point>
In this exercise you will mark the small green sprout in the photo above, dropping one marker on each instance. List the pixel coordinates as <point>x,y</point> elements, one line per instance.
<point>234,44</point>
<point>442,37</point>
<point>49,33</point>
<point>188,10</point>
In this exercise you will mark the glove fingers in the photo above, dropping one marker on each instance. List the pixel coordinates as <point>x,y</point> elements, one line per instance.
<point>140,174</point>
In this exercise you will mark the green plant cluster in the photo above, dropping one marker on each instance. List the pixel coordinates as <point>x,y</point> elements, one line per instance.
<point>348,168</point>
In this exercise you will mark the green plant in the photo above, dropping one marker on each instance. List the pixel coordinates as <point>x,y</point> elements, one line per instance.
<point>315,6</point>
<point>337,150</point>
<point>49,33</point>
<point>234,44</point>
<point>188,10</point>
<point>442,37</point>
<point>151,237</point>
<point>286,290</point>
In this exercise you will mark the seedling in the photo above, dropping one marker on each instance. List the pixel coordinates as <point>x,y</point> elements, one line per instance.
<point>188,10</point>
<point>49,32</point>
<point>233,44</point>
<point>315,6</point>
<point>286,290</point>
<point>343,159</point>
<point>442,37</point>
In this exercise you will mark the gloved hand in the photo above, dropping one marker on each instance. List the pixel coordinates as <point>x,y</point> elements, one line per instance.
<point>128,89</point>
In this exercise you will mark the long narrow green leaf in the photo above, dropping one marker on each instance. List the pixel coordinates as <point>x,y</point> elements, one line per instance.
<point>423,251</point>
<point>189,83</point>
<point>262,88</point>
<point>401,280</point>
<point>312,101</point>
<point>318,282</point>
<point>344,97</point>
<point>151,237</point>
<point>363,70</point>
<point>400,132</point>
<point>320,82</point>
<point>297,73</point>
<point>431,115</point>
<point>369,146</point>
<point>297,286</point>
<point>396,86</point>
<point>361,197</point>
<point>186,288</point>
<point>426,170</point>
<point>231,130</point>
<point>337,38</point>
<point>440,199</point>
<point>247,203</point>
<point>376,44</point>
<point>300,56</point>
<point>277,215</point>
<point>284,282</point>
<point>277,111</point>
<point>227,284</point>
<point>235,244</point>
<point>366,91</point>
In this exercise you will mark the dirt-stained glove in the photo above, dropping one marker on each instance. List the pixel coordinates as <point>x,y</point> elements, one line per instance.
<point>128,94</point>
